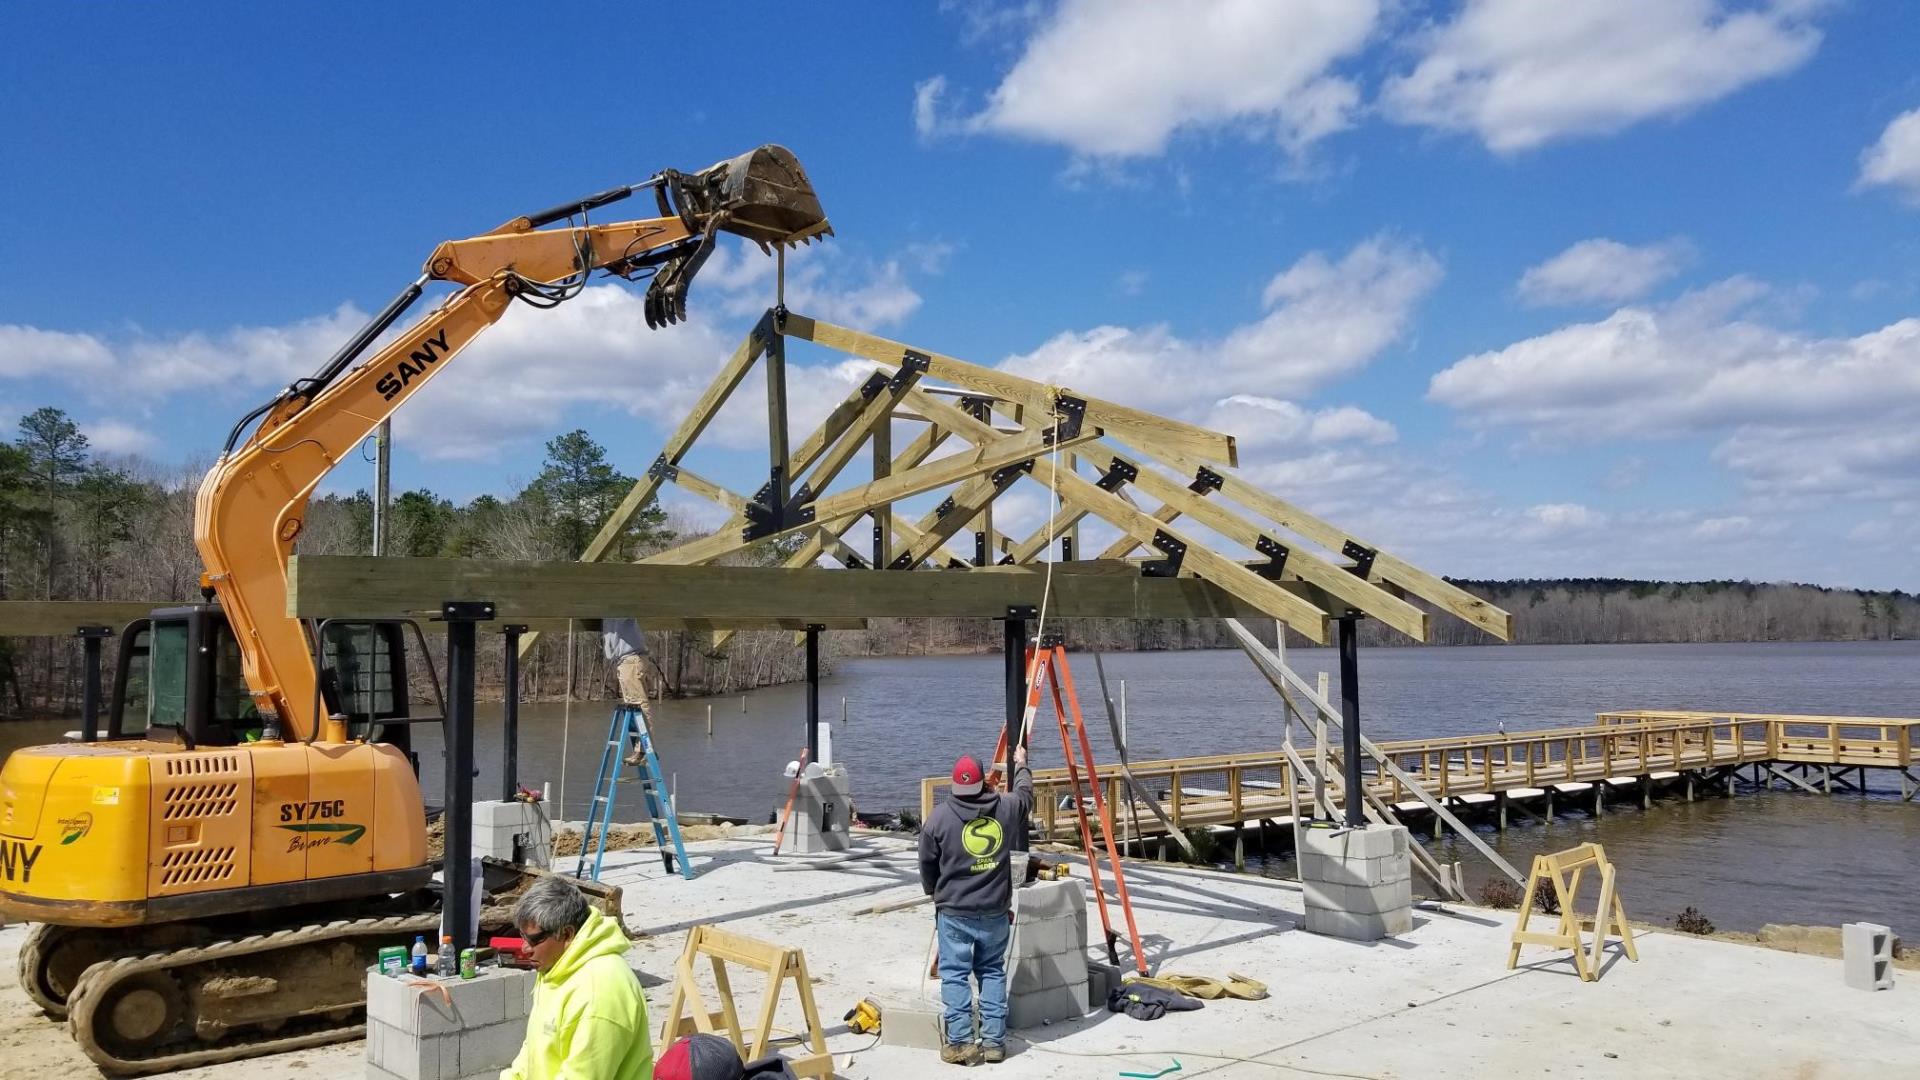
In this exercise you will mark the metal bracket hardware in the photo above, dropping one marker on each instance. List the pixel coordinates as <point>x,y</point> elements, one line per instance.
<point>1120,472</point>
<point>1276,553</point>
<point>1022,611</point>
<point>764,519</point>
<point>1049,641</point>
<point>980,408</point>
<point>1005,560</point>
<point>1005,474</point>
<point>1205,480</point>
<point>1362,557</point>
<point>979,548</point>
<point>875,383</point>
<point>1176,551</point>
<point>1068,412</point>
<point>912,366</point>
<point>853,561</point>
<point>902,561</point>
<point>662,469</point>
<point>466,611</point>
<point>945,507</point>
<point>1066,549</point>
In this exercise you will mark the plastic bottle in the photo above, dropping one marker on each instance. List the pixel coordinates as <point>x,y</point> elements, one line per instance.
<point>449,965</point>
<point>419,954</point>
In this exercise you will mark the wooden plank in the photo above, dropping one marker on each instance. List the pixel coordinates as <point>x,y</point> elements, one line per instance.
<point>324,586</point>
<point>1386,566</point>
<point>61,618</point>
<point>709,490</point>
<point>1203,562</point>
<point>1143,429</point>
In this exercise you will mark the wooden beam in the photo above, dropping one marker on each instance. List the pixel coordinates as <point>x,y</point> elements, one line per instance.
<point>1276,602</point>
<point>1386,567</point>
<point>709,490</point>
<point>882,515</point>
<point>323,586</point>
<point>1142,429</point>
<point>61,618</point>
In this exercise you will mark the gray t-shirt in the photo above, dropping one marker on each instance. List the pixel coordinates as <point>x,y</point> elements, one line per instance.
<point>621,638</point>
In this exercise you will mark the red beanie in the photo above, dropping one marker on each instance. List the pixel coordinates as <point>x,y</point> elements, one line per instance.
<point>967,777</point>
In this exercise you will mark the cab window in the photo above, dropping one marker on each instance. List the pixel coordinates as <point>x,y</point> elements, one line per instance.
<point>167,675</point>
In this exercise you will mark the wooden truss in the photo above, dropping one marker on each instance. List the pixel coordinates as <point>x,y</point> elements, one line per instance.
<point>1294,566</point>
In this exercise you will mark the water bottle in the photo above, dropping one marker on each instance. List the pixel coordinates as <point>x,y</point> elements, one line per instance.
<point>449,963</point>
<point>419,954</point>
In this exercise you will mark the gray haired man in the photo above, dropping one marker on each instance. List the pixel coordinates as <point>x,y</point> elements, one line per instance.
<point>589,1017</point>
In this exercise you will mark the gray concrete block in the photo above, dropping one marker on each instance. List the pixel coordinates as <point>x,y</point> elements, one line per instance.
<point>1049,899</point>
<point>1101,979</point>
<point>1046,937</point>
<point>1358,899</point>
<point>1357,927</point>
<point>1045,972</point>
<point>1343,871</point>
<point>822,813</point>
<point>1866,956</point>
<point>375,1072</point>
<point>1372,842</point>
<point>913,1024</point>
<point>1047,1006</point>
<point>485,1051</point>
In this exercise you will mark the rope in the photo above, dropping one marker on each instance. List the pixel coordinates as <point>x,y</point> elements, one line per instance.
<point>566,724</point>
<point>1053,516</point>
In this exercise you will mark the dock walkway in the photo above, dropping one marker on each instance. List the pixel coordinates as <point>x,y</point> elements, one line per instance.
<point>1631,749</point>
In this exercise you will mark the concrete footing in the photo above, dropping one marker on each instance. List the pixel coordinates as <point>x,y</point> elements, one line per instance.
<point>822,817</point>
<point>414,1033</point>
<point>515,831</point>
<point>1358,883</point>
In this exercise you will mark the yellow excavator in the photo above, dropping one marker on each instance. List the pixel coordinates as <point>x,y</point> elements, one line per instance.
<point>211,879</point>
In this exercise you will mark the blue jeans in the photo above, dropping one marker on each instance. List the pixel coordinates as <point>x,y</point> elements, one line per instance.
<point>974,946</point>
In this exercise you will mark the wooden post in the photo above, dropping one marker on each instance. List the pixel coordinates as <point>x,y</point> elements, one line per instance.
<point>1500,805</point>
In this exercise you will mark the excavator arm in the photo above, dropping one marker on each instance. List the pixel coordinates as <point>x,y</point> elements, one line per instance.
<point>253,502</point>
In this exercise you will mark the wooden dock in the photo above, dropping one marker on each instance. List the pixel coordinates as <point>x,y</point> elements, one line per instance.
<point>1634,751</point>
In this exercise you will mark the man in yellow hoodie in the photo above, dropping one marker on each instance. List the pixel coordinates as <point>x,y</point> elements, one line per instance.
<point>589,1018</point>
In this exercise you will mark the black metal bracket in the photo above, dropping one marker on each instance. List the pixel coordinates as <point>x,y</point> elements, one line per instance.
<point>1276,553</point>
<point>778,315</point>
<point>100,632</point>
<point>1066,549</point>
<point>765,520</point>
<point>912,366</point>
<point>466,611</point>
<point>979,547</point>
<point>514,628</point>
<point>662,469</point>
<point>1205,480</point>
<point>1006,560</point>
<point>946,507</point>
<point>980,408</point>
<point>903,561</point>
<point>1022,611</point>
<point>1362,557</point>
<point>1068,412</point>
<point>1049,641</point>
<point>1119,473</point>
<point>1176,551</point>
<point>1005,474</point>
<point>854,561</point>
<point>875,383</point>
<point>767,330</point>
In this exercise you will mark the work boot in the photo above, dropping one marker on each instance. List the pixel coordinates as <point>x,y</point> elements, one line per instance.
<point>993,1053</point>
<point>960,1054</point>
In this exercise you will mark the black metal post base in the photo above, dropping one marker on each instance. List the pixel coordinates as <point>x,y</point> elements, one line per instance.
<point>456,865</point>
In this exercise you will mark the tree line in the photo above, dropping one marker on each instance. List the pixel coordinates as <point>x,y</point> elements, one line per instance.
<point>79,525</point>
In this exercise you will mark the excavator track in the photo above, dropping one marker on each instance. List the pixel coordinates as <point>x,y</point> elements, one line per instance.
<point>231,999</point>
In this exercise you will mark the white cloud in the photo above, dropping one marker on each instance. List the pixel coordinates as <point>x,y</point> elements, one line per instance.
<point>1894,161</point>
<point>1120,78</point>
<point>28,352</point>
<point>116,437</point>
<point>1263,421</point>
<point>1520,73</point>
<point>1325,319</point>
<point>1836,416</point>
<point>1602,271</point>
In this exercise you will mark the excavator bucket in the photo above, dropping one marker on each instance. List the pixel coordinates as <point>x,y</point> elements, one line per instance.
<point>762,195</point>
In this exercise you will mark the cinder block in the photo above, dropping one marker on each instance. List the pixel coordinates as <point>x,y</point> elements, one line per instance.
<point>1866,956</point>
<point>1378,871</point>
<point>485,1051</point>
<point>1358,899</point>
<point>375,1072</point>
<point>822,813</point>
<point>1049,899</point>
<point>1372,842</point>
<point>1047,1006</point>
<point>915,1024</point>
<point>1045,972</point>
<point>1046,937</point>
<point>1354,926</point>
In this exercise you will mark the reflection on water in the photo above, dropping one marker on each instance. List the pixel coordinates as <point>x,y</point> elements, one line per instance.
<point>1783,857</point>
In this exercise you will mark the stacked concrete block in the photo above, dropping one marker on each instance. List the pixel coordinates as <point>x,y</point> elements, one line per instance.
<point>515,831</point>
<point>1358,882</point>
<point>1047,977</point>
<point>414,1033</point>
<point>1866,954</point>
<point>822,817</point>
<point>918,1025</point>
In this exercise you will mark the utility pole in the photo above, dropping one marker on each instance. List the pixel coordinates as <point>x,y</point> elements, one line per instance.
<point>382,459</point>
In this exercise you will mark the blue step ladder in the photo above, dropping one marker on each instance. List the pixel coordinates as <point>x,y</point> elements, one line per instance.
<point>626,736</point>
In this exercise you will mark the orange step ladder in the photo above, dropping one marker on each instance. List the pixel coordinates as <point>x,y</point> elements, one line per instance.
<point>1047,666</point>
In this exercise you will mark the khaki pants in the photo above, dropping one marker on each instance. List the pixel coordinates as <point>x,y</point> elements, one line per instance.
<point>631,671</point>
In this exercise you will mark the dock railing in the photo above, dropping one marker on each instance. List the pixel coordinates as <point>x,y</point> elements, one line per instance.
<point>1231,789</point>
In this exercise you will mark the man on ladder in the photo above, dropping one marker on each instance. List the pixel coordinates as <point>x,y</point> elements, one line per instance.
<point>965,865</point>
<point>630,742</point>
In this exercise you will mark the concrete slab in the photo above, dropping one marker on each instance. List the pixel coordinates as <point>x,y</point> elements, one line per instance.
<point>1436,1002</point>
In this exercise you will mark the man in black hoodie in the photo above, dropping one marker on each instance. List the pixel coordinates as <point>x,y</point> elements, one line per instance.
<point>965,866</point>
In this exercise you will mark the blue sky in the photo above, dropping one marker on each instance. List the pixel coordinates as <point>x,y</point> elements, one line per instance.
<point>1600,287</point>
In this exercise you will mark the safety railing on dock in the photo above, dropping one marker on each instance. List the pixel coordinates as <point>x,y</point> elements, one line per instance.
<point>1232,789</point>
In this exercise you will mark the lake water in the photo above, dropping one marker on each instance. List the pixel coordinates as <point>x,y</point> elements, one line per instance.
<point>1755,858</point>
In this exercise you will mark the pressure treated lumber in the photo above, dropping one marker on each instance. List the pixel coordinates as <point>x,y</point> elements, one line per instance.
<point>1143,429</point>
<point>322,586</point>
